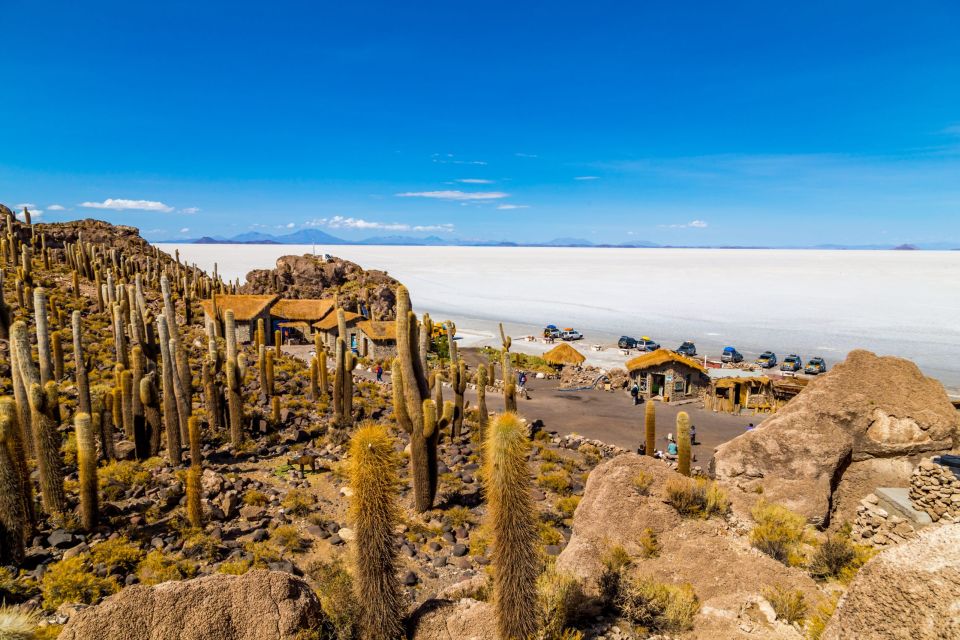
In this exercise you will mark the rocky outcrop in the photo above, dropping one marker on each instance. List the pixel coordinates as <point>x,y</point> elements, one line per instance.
<point>464,619</point>
<point>877,527</point>
<point>256,605</point>
<point>310,276</point>
<point>911,590</point>
<point>724,571</point>
<point>935,490</point>
<point>867,407</point>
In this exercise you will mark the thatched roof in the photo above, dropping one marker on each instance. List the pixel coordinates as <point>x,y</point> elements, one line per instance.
<point>330,321</point>
<point>379,330</point>
<point>662,356</point>
<point>563,353</point>
<point>244,307</point>
<point>311,309</point>
<point>753,381</point>
<point>299,325</point>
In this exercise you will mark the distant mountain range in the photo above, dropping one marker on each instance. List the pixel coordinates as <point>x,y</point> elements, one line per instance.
<point>316,236</point>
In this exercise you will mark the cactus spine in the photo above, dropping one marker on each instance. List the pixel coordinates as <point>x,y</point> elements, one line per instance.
<point>194,507</point>
<point>87,470</point>
<point>415,412</point>
<point>509,381</point>
<point>375,514</point>
<point>683,443</point>
<point>650,427</point>
<point>512,520</point>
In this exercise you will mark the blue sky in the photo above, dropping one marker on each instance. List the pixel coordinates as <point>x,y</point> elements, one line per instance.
<point>684,122</point>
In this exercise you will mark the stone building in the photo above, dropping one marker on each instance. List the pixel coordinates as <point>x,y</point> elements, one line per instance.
<point>295,317</point>
<point>377,339</point>
<point>757,394</point>
<point>328,330</point>
<point>667,374</point>
<point>247,311</point>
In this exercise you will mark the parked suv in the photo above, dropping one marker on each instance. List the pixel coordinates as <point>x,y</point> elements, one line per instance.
<point>816,366</point>
<point>571,334</point>
<point>551,331</point>
<point>646,344</point>
<point>687,349</point>
<point>792,362</point>
<point>626,342</point>
<point>731,355</point>
<point>767,360</point>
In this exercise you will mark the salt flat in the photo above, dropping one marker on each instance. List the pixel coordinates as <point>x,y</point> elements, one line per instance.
<point>809,302</point>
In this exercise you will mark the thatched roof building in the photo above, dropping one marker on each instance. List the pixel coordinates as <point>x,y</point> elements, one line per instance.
<point>563,354</point>
<point>378,339</point>
<point>668,374</point>
<point>328,329</point>
<point>247,311</point>
<point>308,310</point>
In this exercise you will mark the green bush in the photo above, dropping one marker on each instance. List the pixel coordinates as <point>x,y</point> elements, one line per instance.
<point>117,554</point>
<point>158,567</point>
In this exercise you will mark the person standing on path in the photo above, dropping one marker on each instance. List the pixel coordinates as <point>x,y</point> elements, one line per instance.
<point>379,372</point>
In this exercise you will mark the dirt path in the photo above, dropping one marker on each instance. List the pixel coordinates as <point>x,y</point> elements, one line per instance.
<point>610,417</point>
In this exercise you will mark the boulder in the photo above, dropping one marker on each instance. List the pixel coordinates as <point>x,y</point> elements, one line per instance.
<point>865,408</point>
<point>911,590</point>
<point>705,553</point>
<point>259,604</point>
<point>463,619</point>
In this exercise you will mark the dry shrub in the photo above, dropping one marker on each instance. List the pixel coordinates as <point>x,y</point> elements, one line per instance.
<point>558,482</point>
<point>561,600</point>
<point>642,482</point>
<point>287,537</point>
<point>567,505</point>
<point>649,545</point>
<point>73,580</point>
<point>790,605</point>
<point>779,533</point>
<point>158,567</point>
<point>818,621</point>
<point>298,502</point>
<point>255,498</point>
<point>838,557</point>
<point>615,561</point>
<point>657,607</point>
<point>335,592</point>
<point>17,623</point>
<point>696,497</point>
<point>117,554</point>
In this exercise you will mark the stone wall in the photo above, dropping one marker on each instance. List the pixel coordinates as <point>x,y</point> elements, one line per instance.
<point>877,527</point>
<point>935,490</point>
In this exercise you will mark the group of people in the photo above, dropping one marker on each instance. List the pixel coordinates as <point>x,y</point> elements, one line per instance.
<point>672,450</point>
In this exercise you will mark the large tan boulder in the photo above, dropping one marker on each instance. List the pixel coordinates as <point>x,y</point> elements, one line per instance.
<point>910,591</point>
<point>463,619</point>
<point>866,407</point>
<point>254,606</point>
<point>707,554</point>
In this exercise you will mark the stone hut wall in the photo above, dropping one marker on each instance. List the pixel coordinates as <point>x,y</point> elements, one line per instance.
<point>935,490</point>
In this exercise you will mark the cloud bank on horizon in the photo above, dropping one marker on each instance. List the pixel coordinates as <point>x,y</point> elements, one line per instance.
<point>753,125</point>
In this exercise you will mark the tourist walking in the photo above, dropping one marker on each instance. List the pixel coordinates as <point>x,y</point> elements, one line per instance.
<point>379,372</point>
<point>635,393</point>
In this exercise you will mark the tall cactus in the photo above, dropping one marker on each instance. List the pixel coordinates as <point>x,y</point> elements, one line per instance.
<point>43,335</point>
<point>683,443</point>
<point>87,470</point>
<point>345,361</point>
<point>80,365</point>
<point>6,313</point>
<point>15,444</point>
<point>513,524</point>
<point>45,411</point>
<point>262,370</point>
<point>314,384</point>
<point>324,378</point>
<point>171,416</point>
<point>23,374</point>
<point>458,380</point>
<point>148,426</point>
<point>483,416</point>
<point>650,427</point>
<point>271,389</point>
<point>509,381</point>
<point>14,524</point>
<point>194,507</point>
<point>211,396</point>
<point>415,412</point>
<point>56,345</point>
<point>374,514</point>
<point>126,403</point>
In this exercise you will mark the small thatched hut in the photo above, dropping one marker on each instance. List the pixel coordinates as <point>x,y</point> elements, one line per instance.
<point>247,310</point>
<point>294,317</point>
<point>563,354</point>
<point>328,330</point>
<point>377,338</point>
<point>668,374</point>
<point>757,394</point>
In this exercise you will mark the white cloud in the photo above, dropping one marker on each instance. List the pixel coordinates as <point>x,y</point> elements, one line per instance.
<point>693,224</point>
<point>455,195</point>
<point>507,207</point>
<point>121,204</point>
<point>290,225</point>
<point>526,155</point>
<point>587,178</point>
<point>341,222</point>
<point>56,207</point>
<point>185,230</point>
<point>34,212</point>
<point>190,210</point>
<point>449,158</point>
<point>475,181</point>
<point>23,205</point>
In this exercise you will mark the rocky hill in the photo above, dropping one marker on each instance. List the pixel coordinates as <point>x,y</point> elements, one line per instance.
<point>310,276</point>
